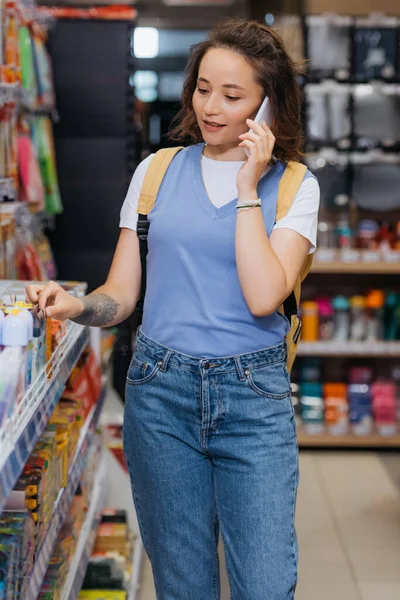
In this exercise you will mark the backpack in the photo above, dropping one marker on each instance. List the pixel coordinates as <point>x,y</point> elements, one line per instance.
<point>289,185</point>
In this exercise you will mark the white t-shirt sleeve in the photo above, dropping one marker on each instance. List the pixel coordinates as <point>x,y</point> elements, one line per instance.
<point>129,216</point>
<point>303,214</point>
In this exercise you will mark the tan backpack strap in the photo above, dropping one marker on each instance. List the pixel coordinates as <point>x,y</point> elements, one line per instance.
<point>154,175</point>
<point>290,183</point>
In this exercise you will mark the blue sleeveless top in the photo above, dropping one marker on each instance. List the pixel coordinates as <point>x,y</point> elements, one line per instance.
<point>194,303</point>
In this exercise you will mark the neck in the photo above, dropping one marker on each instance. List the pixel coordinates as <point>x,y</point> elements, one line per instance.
<point>225,152</point>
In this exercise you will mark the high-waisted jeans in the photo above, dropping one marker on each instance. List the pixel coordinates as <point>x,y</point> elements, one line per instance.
<point>211,446</point>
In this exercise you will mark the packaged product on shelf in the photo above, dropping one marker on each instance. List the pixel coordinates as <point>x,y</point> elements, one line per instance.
<point>372,99</point>
<point>375,302</point>
<point>31,189</point>
<point>360,408</point>
<point>312,407</point>
<point>28,78</point>
<point>341,319</point>
<point>376,176</point>
<point>109,565</point>
<point>44,143</point>
<point>325,311</point>
<point>84,383</point>
<point>64,551</point>
<point>359,323</point>
<point>310,321</point>
<point>384,407</point>
<point>328,115</point>
<point>336,408</point>
<point>375,48</point>
<point>16,552</point>
<point>329,46</point>
<point>391,316</point>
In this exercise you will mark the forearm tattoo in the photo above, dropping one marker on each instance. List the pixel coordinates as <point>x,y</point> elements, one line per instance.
<point>99,311</point>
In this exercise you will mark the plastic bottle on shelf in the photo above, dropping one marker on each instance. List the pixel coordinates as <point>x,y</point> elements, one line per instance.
<point>336,408</point>
<point>327,241</point>
<point>358,324</point>
<point>346,239</point>
<point>325,311</point>
<point>384,407</point>
<point>341,319</point>
<point>25,314</point>
<point>367,239</point>
<point>312,407</point>
<point>375,304</point>
<point>310,321</point>
<point>360,408</point>
<point>390,325</point>
<point>16,335</point>
<point>386,238</point>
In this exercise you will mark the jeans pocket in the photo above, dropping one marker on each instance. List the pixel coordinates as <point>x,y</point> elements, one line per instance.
<point>271,381</point>
<point>142,370</point>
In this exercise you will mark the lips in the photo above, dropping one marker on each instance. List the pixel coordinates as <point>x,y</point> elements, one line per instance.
<point>212,127</point>
<point>212,124</point>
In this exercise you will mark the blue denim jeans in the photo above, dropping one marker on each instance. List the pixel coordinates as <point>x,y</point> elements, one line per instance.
<point>211,446</point>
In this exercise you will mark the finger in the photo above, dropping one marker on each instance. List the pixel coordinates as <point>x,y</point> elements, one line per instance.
<point>55,312</point>
<point>47,295</point>
<point>254,137</point>
<point>32,293</point>
<point>252,148</point>
<point>256,127</point>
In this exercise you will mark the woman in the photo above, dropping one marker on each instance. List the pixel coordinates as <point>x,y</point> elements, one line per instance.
<point>209,431</point>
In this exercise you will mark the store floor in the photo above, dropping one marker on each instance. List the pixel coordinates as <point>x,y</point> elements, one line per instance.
<point>348,523</point>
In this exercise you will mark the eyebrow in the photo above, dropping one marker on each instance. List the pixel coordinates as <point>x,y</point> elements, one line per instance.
<point>225,85</point>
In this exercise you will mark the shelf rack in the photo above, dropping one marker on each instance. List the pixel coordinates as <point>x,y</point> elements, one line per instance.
<point>64,499</point>
<point>19,434</point>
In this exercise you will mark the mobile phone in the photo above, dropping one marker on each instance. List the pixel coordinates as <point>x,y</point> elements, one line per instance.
<point>264,114</point>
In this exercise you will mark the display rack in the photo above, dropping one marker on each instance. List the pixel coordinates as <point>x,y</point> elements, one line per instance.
<point>350,349</point>
<point>64,499</point>
<point>367,268</point>
<point>349,440</point>
<point>87,537</point>
<point>20,433</point>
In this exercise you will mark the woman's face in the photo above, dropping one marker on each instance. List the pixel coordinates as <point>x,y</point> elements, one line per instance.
<point>227,94</point>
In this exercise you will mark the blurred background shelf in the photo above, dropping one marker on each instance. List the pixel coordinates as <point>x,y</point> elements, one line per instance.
<point>348,349</point>
<point>80,561</point>
<point>339,267</point>
<point>64,500</point>
<point>327,440</point>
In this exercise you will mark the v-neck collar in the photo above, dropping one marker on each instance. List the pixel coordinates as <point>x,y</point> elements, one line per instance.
<point>201,191</point>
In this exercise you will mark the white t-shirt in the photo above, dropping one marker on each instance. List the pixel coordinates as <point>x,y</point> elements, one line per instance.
<point>220,182</point>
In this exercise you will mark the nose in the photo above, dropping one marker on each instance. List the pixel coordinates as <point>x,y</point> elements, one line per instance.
<point>212,106</point>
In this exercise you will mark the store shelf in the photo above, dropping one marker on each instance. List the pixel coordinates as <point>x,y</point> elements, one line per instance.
<point>366,349</point>
<point>134,585</point>
<point>20,433</point>
<point>64,500</point>
<point>326,440</point>
<point>368,268</point>
<point>83,552</point>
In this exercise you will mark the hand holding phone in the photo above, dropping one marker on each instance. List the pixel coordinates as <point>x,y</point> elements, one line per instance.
<point>264,114</point>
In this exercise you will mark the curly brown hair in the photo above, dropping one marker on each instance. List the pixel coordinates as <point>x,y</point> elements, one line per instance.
<point>263,48</point>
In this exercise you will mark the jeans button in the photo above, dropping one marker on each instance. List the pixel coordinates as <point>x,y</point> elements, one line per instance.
<point>207,365</point>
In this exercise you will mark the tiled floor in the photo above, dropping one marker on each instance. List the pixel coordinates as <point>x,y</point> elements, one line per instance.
<point>348,523</point>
